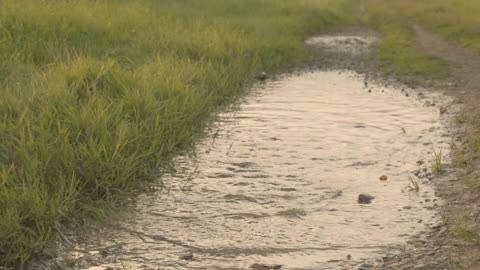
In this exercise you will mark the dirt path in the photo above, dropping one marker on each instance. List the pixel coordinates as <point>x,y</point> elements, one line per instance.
<point>465,64</point>
<point>455,244</point>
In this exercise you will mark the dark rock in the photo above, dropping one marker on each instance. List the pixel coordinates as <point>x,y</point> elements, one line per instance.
<point>365,266</point>
<point>262,76</point>
<point>292,212</point>
<point>365,198</point>
<point>187,257</point>
<point>288,189</point>
<point>104,253</point>
<point>258,266</point>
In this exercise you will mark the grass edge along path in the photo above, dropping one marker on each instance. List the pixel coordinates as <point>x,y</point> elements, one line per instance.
<point>397,52</point>
<point>98,95</point>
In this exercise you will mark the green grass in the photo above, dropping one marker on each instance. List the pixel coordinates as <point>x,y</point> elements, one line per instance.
<point>413,183</point>
<point>467,234</point>
<point>98,95</point>
<point>397,51</point>
<point>437,161</point>
<point>457,20</point>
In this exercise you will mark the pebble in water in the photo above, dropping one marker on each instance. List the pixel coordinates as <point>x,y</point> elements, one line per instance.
<point>365,198</point>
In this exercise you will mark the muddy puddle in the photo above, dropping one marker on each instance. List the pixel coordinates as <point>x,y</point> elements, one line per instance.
<point>349,44</point>
<point>278,184</point>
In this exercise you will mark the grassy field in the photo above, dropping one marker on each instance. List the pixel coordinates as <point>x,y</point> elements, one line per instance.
<point>98,95</point>
<point>458,20</point>
<point>397,51</point>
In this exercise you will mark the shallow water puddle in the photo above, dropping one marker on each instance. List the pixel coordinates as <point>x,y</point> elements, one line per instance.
<point>279,184</point>
<point>350,44</point>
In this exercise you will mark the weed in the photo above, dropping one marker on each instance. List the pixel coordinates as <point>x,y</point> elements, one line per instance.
<point>467,234</point>
<point>461,118</point>
<point>463,156</point>
<point>445,217</point>
<point>413,183</point>
<point>437,165</point>
<point>472,182</point>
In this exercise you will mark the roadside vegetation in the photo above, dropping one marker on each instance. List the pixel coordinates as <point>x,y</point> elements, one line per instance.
<point>397,51</point>
<point>458,20</point>
<point>98,95</point>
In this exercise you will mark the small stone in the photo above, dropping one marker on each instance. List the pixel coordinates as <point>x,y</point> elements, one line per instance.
<point>288,189</point>
<point>262,76</point>
<point>365,266</point>
<point>104,253</point>
<point>383,178</point>
<point>406,94</point>
<point>365,198</point>
<point>349,257</point>
<point>258,266</point>
<point>187,257</point>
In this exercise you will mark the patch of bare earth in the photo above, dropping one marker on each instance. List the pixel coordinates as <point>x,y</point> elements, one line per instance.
<point>455,244</point>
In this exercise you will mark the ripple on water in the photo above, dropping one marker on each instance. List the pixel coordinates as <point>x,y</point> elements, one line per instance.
<point>287,170</point>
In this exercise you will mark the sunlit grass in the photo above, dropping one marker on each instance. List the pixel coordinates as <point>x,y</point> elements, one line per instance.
<point>467,234</point>
<point>98,95</point>
<point>437,160</point>
<point>413,183</point>
<point>458,20</point>
<point>397,51</point>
